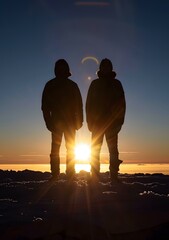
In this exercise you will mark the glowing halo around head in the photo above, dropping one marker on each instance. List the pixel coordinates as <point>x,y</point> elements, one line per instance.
<point>90,58</point>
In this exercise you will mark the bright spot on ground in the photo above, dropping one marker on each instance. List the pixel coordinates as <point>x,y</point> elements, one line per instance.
<point>89,78</point>
<point>82,152</point>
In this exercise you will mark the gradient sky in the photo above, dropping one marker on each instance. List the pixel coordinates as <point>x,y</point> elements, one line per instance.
<point>132,33</point>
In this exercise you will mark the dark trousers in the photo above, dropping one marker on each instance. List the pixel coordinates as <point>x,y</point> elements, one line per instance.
<point>111,135</point>
<point>69,135</point>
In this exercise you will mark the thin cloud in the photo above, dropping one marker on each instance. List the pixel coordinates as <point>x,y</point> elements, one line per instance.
<point>122,153</point>
<point>38,155</point>
<point>32,155</point>
<point>99,4</point>
<point>129,152</point>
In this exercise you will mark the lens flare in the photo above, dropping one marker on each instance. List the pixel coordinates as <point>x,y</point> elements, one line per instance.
<point>82,152</point>
<point>90,58</point>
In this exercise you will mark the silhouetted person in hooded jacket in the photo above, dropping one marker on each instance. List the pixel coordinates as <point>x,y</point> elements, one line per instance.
<point>105,112</point>
<point>63,114</point>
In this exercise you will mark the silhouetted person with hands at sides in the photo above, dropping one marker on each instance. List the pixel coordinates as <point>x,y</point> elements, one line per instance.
<point>63,114</point>
<point>105,112</point>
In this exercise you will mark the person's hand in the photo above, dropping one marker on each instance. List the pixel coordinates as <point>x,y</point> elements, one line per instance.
<point>90,126</point>
<point>49,126</point>
<point>78,125</point>
<point>117,128</point>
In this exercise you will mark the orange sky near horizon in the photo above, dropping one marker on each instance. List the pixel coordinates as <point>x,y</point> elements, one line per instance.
<point>29,155</point>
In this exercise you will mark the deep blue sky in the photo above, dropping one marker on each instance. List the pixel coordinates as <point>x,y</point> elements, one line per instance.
<point>132,33</point>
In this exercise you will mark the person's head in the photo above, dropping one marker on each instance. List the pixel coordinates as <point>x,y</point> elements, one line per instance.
<point>106,68</point>
<point>62,69</point>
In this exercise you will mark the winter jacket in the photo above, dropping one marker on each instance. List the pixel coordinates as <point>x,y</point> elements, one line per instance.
<point>105,104</point>
<point>62,104</point>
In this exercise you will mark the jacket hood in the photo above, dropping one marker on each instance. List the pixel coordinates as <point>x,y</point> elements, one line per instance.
<point>62,69</point>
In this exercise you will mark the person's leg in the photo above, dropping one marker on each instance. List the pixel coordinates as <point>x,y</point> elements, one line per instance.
<point>54,156</point>
<point>70,158</point>
<point>97,140</point>
<point>112,142</point>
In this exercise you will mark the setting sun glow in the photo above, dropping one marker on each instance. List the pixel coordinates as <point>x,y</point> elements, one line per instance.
<point>82,152</point>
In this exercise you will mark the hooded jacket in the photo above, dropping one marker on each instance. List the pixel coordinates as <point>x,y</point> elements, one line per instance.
<point>62,104</point>
<point>105,104</point>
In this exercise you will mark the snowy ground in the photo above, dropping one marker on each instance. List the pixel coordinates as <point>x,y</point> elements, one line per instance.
<point>33,208</point>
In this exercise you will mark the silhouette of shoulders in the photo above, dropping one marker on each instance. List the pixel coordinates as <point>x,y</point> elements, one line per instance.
<point>55,82</point>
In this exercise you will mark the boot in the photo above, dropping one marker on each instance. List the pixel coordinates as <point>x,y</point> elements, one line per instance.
<point>70,169</point>
<point>114,171</point>
<point>55,169</point>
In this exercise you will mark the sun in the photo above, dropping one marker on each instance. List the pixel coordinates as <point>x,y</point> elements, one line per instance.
<point>82,152</point>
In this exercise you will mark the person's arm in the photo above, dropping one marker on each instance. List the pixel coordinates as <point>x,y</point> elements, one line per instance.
<point>45,109</point>
<point>47,119</point>
<point>89,114</point>
<point>79,109</point>
<point>121,106</point>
